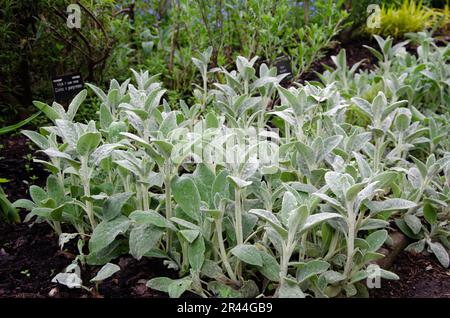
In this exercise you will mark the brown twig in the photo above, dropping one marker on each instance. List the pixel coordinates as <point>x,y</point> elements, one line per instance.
<point>122,11</point>
<point>81,35</point>
<point>94,18</point>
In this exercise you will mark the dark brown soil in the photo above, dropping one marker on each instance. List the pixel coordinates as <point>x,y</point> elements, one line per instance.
<point>355,52</point>
<point>17,166</point>
<point>421,276</point>
<point>29,259</point>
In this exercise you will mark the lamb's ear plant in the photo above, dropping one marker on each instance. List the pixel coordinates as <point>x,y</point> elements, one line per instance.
<point>71,276</point>
<point>299,107</point>
<point>108,270</point>
<point>381,115</point>
<point>388,51</point>
<point>354,201</point>
<point>341,74</point>
<point>434,59</point>
<point>109,102</point>
<point>244,97</point>
<point>437,131</point>
<point>287,228</point>
<point>202,64</point>
<point>185,183</point>
<point>405,135</point>
<point>49,205</point>
<point>57,111</point>
<point>425,223</point>
<point>75,156</point>
<point>310,158</point>
<point>431,234</point>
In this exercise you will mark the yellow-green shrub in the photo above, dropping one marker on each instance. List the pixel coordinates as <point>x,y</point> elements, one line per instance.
<point>411,16</point>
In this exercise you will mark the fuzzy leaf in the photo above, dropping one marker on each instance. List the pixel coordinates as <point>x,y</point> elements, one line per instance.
<point>376,240</point>
<point>289,289</point>
<point>196,253</point>
<point>105,272</point>
<point>440,252</point>
<point>318,218</point>
<point>248,254</point>
<point>160,284</point>
<point>429,213</point>
<point>271,219</point>
<point>178,287</point>
<point>270,268</point>
<point>390,205</point>
<point>75,104</point>
<point>106,232</point>
<point>413,222</point>
<point>143,238</point>
<point>311,268</point>
<point>88,142</point>
<point>113,205</point>
<point>186,194</point>
<point>239,183</point>
<point>289,204</point>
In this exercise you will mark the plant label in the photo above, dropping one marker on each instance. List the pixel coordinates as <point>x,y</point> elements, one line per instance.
<point>283,65</point>
<point>65,87</point>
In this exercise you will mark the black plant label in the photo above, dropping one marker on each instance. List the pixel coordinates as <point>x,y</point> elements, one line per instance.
<point>283,65</point>
<point>65,87</point>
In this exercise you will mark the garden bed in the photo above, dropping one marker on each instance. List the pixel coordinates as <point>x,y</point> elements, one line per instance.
<point>235,149</point>
<point>30,256</point>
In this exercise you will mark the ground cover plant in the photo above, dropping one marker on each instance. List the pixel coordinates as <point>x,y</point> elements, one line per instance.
<point>254,189</point>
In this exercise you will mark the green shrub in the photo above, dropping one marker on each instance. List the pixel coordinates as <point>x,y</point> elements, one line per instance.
<point>410,16</point>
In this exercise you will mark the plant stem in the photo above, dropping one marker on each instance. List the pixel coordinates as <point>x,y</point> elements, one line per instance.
<point>333,245</point>
<point>57,227</point>
<point>168,210</point>
<point>377,154</point>
<point>238,225</point>
<point>284,260</point>
<point>89,206</point>
<point>185,262</point>
<point>283,266</point>
<point>205,87</point>
<point>145,201</point>
<point>87,191</point>
<point>238,216</point>
<point>223,253</point>
<point>287,131</point>
<point>299,128</point>
<point>302,252</point>
<point>139,197</point>
<point>350,241</point>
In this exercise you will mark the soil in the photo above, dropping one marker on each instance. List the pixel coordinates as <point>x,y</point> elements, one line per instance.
<point>17,166</point>
<point>421,276</point>
<point>355,52</point>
